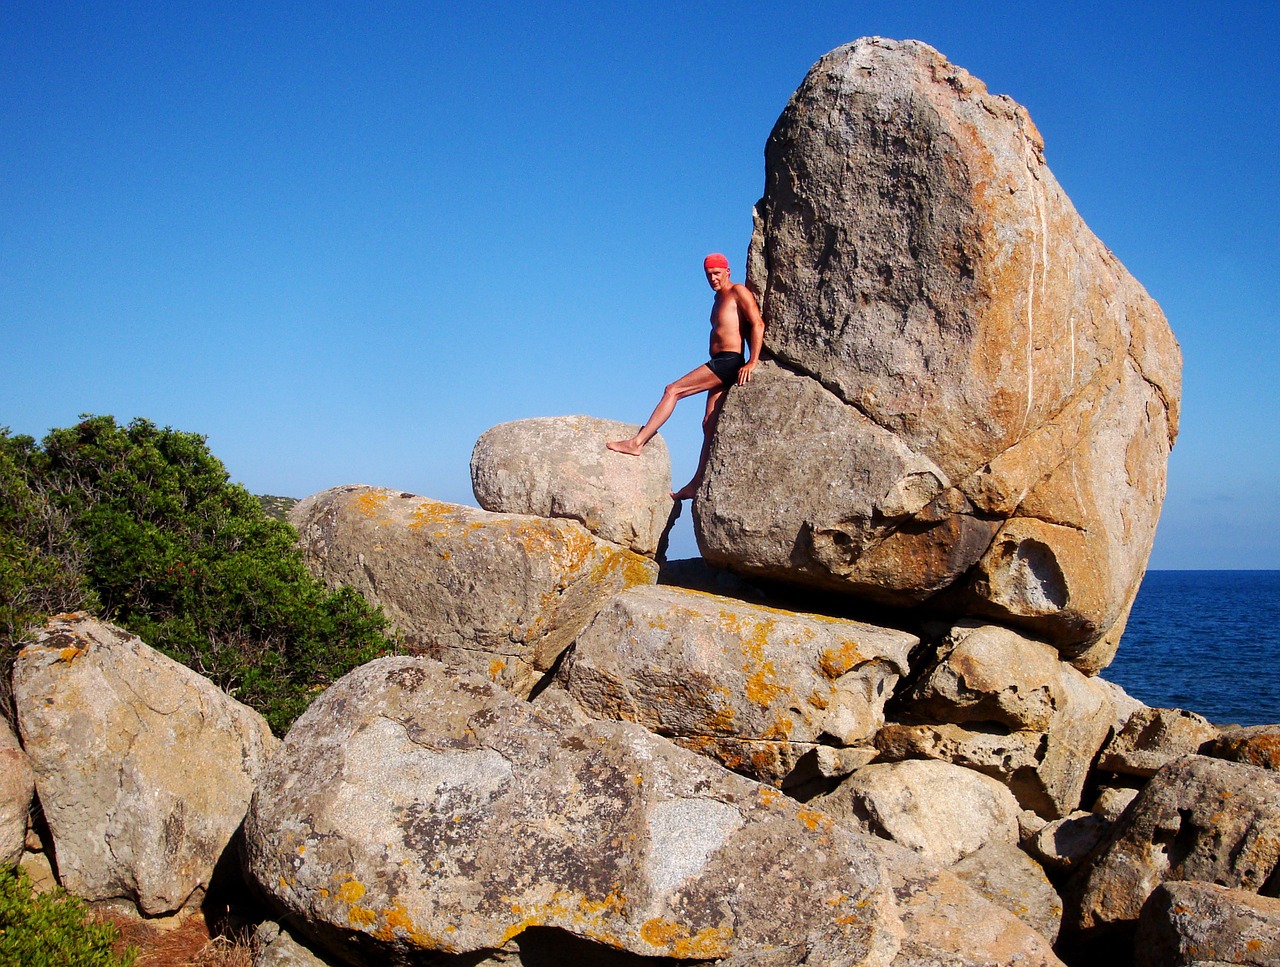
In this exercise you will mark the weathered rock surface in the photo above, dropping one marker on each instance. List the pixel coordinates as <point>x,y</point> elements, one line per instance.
<point>412,812</point>
<point>1011,879</point>
<point>274,947</point>
<point>986,394</point>
<point>939,811</point>
<point>1196,819</point>
<point>144,769</point>
<point>755,688</point>
<point>559,467</point>
<point>1256,745</point>
<point>1066,844</point>
<point>501,594</point>
<point>1154,737</point>
<point>17,787</point>
<point>1111,801</point>
<point>1004,704</point>
<point>1191,923</point>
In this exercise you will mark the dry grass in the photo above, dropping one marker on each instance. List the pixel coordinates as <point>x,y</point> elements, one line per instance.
<point>186,944</point>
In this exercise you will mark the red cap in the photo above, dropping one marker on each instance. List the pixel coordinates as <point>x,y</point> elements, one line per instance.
<point>715,261</point>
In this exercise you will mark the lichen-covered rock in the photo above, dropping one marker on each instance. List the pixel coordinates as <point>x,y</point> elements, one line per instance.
<point>412,812</point>
<point>940,811</point>
<point>1153,737</point>
<point>1256,745</point>
<point>143,768</point>
<point>1011,879</point>
<point>501,594</point>
<point>1190,923</point>
<point>17,787</point>
<point>986,395</point>
<point>753,687</point>
<point>1002,703</point>
<point>559,467</point>
<point>1197,819</point>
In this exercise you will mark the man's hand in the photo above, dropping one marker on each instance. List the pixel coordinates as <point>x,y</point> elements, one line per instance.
<point>744,374</point>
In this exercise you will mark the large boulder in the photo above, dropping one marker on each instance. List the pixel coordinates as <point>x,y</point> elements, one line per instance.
<point>753,687</point>
<point>17,787</point>
<point>1197,819</point>
<point>144,769</point>
<point>559,467</point>
<point>1257,745</point>
<point>1154,737</point>
<point>1002,703</point>
<point>501,594</point>
<point>986,394</point>
<point>1184,924</point>
<point>1011,879</point>
<point>411,812</point>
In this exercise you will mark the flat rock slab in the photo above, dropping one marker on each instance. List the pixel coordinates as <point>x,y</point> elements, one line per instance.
<point>1153,737</point>
<point>1011,879</point>
<point>983,398</point>
<point>144,769</point>
<point>1188,923</point>
<point>412,812</point>
<point>560,467</point>
<point>1196,819</point>
<point>501,594</point>
<point>753,687</point>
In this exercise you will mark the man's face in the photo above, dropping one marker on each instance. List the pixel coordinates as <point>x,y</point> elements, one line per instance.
<point>718,278</point>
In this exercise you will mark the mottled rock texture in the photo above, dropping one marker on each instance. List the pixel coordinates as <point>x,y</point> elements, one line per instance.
<point>1011,879</point>
<point>1190,923</point>
<point>978,397</point>
<point>17,787</point>
<point>755,688</point>
<point>1004,704</point>
<point>412,812</point>
<point>1197,819</point>
<point>940,811</point>
<point>1256,745</point>
<point>144,769</point>
<point>559,467</point>
<point>1153,737</point>
<point>501,594</point>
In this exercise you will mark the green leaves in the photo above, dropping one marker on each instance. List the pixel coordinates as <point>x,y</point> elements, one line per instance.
<point>156,538</point>
<point>52,929</point>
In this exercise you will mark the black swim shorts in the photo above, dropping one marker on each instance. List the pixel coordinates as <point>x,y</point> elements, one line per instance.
<point>726,366</point>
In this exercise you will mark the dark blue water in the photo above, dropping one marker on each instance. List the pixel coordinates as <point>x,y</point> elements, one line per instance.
<point>1208,641</point>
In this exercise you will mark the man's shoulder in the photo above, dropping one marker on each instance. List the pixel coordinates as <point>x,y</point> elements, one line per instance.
<point>743,294</point>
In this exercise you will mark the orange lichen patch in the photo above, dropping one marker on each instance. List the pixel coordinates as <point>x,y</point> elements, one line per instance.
<point>769,796</point>
<point>370,503</point>
<point>706,943</point>
<point>70,654</point>
<point>496,668</point>
<point>813,819</point>
<point>568,910</point>
<point>818,700</point>
<point>351,891</point>
<point>302,848</point>
<point>760,687</point>
<point>361,917</point>
<point>834,662</point>
<point>780,730</point>
<point>432,512</point>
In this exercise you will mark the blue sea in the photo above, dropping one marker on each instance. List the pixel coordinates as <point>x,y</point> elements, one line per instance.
<point>1207,641</point>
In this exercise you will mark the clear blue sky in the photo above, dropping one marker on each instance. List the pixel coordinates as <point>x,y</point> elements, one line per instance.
<point>343,239</point>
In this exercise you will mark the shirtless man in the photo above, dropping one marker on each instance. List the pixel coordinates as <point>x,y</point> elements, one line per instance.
<point>735,320</point>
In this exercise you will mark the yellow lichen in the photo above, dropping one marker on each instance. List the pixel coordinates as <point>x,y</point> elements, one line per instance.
<point>351,891</point>
<point>370,503</point>
<point>834,662</point>
<point>706,943</point>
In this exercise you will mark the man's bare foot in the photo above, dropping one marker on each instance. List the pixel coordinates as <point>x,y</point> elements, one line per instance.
<point>629,447</point>
<point>687,492</point>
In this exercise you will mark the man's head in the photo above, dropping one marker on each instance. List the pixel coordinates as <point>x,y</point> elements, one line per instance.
<point>717,268</point>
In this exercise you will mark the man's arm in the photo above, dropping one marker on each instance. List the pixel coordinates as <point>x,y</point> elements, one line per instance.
<point>749,313</point>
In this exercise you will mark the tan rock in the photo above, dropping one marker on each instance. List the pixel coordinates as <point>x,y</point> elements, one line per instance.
<point>143,768</point>
<point>1196,819</point>
<point>559,467</point>
<point>1153,737</point>
<point>755,688</point>
<point>1011,879</point>
<point>1003,704</point>
<point>412,814</point>
<point>17,788</point>
<point>939,811</point>
<point>1188,923</point>
<point>934,301</point>
<point>501,594</point>
<point>1066,844</point>
<point>1257,745</point>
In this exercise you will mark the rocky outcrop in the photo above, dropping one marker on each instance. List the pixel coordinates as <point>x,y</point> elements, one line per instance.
<point>1257,745</point>
<point>1197,819</point>
<point>1011,879</point>
<point>1154,737</point>
<point>501,594</point>
<point>940,811</point>
<point>1004,704</point>
<point>144,769</point>
<point>17,787</point>
<point>754,688</point>
<point>559,467</point>
<point>986,394</point>
<point>1185,924</point>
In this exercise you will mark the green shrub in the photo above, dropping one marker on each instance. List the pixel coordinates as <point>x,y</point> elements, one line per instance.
<point>52,929</point>
<point>165,546</point>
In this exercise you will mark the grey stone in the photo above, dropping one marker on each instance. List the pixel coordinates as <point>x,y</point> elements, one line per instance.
<point>17,788</point>
<point>1194,923</point>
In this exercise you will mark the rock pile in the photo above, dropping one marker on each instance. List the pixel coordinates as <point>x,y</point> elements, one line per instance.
<point>964,421</point>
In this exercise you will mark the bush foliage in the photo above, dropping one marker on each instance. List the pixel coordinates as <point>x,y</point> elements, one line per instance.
<point>52,929</point>
<point>141,525</point>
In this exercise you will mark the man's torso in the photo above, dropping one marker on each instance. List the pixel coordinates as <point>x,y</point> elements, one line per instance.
<point>726,322</point>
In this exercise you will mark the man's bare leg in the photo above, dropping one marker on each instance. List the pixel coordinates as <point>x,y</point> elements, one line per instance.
<point>698,381</point>
<point>715,403</point>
